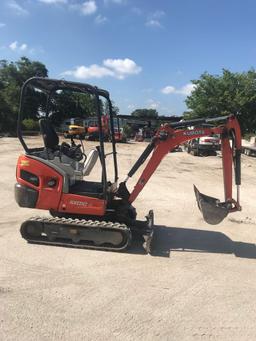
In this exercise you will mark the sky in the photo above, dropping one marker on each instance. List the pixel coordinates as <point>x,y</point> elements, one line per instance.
<point>145,53</point>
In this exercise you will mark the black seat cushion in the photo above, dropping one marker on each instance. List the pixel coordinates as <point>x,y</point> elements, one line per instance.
<point>50,137</point>
<point>87,188</point>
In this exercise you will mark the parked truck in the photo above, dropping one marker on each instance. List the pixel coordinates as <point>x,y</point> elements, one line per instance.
<point>250,148</point>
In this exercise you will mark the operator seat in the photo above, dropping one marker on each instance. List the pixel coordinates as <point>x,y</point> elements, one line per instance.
<point>51,142</point>
<point>50,137</point>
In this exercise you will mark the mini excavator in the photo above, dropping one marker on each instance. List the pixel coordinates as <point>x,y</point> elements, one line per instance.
<point>100,215</point>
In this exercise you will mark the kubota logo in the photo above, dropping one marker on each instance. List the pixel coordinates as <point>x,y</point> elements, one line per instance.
<point>193,132</point>
<point>78,203</point>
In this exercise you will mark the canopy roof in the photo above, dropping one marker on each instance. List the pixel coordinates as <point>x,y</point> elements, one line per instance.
<point>48,85</point>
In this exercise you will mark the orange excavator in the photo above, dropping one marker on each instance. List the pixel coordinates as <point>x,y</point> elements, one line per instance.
<point>100,215</point>
<point>93,128</point>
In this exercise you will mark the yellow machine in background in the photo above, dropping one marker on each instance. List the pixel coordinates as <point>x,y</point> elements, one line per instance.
<point>75,131</point>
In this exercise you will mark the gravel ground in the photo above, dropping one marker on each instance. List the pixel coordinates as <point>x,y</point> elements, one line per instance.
<point>200,284</point>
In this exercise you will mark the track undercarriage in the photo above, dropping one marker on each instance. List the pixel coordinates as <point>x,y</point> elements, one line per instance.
<point>87,234</point>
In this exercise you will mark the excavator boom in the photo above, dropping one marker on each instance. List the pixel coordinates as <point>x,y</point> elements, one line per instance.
<point>169,136</point>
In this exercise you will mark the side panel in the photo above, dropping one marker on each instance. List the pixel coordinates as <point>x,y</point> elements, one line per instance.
<point>49,197</point>
<point>80,204</point>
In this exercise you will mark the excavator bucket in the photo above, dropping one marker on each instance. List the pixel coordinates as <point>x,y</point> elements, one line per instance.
<point>212,209</point>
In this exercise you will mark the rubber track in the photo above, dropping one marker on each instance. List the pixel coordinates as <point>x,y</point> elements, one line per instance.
<point>77,223</point>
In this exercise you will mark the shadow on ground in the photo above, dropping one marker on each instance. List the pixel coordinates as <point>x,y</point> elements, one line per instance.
<point>169,239</point>
<point>176,239</point>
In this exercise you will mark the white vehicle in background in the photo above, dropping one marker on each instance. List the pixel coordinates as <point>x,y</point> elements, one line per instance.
<point>249,148</point>
<point>204,146</point>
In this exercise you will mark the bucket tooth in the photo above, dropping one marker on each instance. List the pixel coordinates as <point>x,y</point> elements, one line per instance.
<point>212,209</point>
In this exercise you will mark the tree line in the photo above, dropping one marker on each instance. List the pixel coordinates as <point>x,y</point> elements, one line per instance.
<point>228,93</point>
<point>213,95</point>
<point>12,76</point>
<point>64,104</point>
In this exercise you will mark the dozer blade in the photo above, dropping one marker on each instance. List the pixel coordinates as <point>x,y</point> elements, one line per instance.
<point>212,209</point>
<point>145,229</point>
<point>149,232</point>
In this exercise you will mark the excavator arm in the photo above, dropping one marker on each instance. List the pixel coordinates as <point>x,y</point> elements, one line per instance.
<point>169,136</point>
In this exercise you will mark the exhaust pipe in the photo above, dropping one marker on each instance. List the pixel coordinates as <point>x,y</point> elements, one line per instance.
<point>212,209</point>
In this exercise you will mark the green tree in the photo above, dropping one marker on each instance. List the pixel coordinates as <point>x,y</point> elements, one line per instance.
<point>12,76</point>
<point>228,93</point>
<point>69,104</point>
<point>147,113</point>
<point>29,124</point>
<point>7,119</point>
<point>115,109</point>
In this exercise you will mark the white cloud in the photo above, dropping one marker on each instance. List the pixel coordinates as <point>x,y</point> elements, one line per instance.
<point>85,8</point>
<point>168,90</point>
<point>118,2</point>
<point>23,47</point>
<point>100,19</point>
<point>185,90</point>
<point>153,23</point>
<point>154,19</point>
<point>122,67</point>
<point>131,106</point>
<point>88,7</point>
<point>2,24</point>
<point>14,46</point>
<point>92,71</point>
<point>117,68</point>
<point>153,104</point>
<point>158,14</point>
<point>50,2</point>
<point>16,8</point>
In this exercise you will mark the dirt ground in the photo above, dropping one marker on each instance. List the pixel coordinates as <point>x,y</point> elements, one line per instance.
<point>200,284</point>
